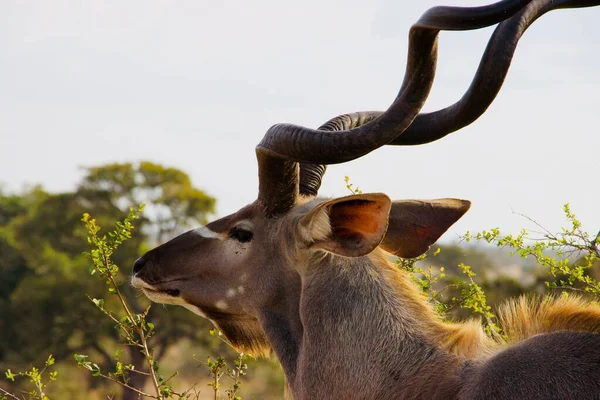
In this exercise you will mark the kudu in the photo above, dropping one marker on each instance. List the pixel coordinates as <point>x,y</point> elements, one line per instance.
<point>311,278</point>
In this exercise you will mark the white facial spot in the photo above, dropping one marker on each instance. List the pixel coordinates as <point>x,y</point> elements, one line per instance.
<point>230,293</point>
<point>195,310</point>
<point>221,305</point>
<point>241,289</point>
<point>207,233</point>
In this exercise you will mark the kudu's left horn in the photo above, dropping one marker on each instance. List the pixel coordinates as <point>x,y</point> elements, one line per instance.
<point>284,145</point>
<point>487,82</point>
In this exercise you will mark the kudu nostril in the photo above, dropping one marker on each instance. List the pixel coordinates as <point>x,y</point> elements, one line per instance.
<point>138,265</point>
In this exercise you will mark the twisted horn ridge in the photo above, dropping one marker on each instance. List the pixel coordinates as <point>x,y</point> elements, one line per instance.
<point>278,185</point>
<point>488,80</point>
<point>314,146</point>
<point>311,175</point>
<point>283,145</point>
<point>351,136</point>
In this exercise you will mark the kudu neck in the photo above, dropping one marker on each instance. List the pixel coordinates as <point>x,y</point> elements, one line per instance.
<point>363,321</point>
<point>368,292</point>
<point>362,315</point>
<point>282,326</point>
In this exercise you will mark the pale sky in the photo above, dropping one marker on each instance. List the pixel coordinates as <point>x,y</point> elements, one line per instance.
<point>195,84</point>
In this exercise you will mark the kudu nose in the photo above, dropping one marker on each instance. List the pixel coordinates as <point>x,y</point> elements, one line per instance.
<point>138,265</point>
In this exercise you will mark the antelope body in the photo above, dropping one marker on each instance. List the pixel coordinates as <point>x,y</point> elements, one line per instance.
<point>311,278</point>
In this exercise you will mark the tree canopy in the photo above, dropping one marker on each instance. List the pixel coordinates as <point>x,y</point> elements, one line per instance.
<point>43,275</point>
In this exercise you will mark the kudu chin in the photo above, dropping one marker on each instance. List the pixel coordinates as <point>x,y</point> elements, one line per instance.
<point>311,280</point>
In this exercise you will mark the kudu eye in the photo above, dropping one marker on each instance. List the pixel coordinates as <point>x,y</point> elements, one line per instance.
<point>241,235</point>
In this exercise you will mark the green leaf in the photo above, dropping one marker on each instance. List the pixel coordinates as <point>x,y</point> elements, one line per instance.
<point>50,361</point>
<point>9,375</point>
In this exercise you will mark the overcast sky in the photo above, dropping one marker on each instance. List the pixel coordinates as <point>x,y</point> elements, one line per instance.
<point>195,84</point>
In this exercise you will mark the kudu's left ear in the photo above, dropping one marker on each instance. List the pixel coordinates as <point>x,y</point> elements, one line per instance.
<point>417,224</point>
<point>350,226</point>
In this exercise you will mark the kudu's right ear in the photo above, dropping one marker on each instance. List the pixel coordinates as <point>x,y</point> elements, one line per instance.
<point>350,226</point>
<point>417,224</point>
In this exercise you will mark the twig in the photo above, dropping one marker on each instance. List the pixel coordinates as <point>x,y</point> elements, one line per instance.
<point>125,385</point>
<point>9,394</point>
<point>140,332</point>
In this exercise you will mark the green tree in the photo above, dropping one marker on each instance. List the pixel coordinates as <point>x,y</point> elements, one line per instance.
<point>43,275</point>
<point>172,202</point>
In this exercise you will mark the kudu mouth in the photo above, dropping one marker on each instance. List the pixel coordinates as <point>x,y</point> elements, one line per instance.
<point>157,292</point>
<point>165,295</point>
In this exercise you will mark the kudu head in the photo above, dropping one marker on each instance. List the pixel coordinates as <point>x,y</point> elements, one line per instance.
<point>229,269</point>
<point>256,258</point>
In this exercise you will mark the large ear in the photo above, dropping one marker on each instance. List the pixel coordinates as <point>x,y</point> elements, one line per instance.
<point>417,224</point>
<point>350,226</point>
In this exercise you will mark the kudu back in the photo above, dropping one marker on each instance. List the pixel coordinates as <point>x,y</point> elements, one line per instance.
<point>311,279</point>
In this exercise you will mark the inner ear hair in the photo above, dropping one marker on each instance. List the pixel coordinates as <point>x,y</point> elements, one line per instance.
<point>320,225</point>
<point>350,226</point>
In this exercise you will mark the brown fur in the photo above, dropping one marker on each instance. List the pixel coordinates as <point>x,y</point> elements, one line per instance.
<point>520,319</point>
<point>431,359</point>
<point>525,317</point>
<point>244,334</point>
<point>465,339</point>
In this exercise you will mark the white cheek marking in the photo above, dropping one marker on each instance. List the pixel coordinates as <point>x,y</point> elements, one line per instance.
<point>221,305</point>
<point>207,233</point>
<point>230,293</point>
